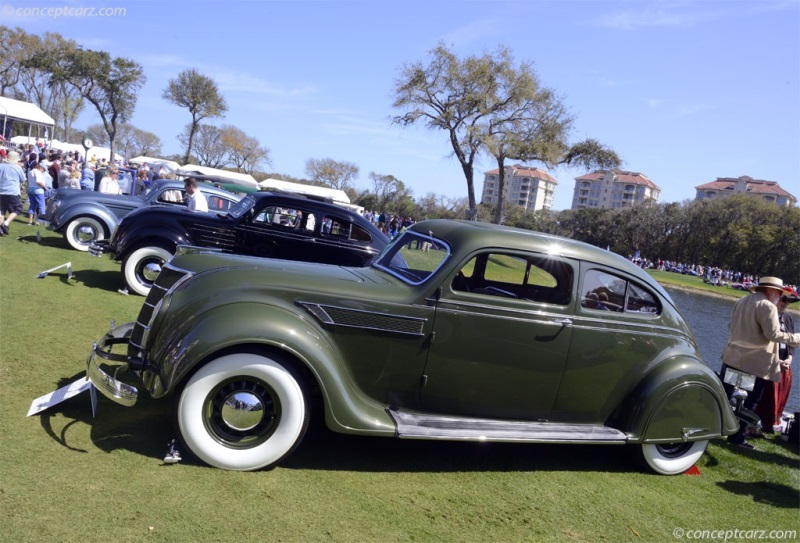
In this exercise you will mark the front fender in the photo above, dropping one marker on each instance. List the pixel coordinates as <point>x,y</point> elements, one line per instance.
<point>682,399</point>
<point>130,238</point>
<point>183,346</point>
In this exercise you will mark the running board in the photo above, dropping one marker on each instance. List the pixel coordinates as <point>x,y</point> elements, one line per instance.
<point>423,426</point>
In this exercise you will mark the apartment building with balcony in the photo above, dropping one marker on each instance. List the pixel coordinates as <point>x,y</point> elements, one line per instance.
<point>527,187</point>
<point>769,191</point>
<point>611,189</point>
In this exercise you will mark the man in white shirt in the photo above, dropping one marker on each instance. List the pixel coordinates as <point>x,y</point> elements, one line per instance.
<point>195,200</point>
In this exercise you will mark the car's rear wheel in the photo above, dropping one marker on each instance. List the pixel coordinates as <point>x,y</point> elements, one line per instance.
<point>672,458</point>
<point>142,266</point>
<point>81,232</point>
<point>243,412</point>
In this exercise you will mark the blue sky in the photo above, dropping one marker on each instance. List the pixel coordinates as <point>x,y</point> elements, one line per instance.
<point>685,92</point>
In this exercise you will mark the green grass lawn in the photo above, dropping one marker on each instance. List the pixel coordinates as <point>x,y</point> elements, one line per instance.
<point>67,477</point>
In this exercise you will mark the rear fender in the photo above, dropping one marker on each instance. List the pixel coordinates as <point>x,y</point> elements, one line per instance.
<point>99,213</point>
<point>182,347</point>
<point>680,400</point>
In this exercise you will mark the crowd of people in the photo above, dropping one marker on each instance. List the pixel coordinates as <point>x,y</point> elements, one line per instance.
<point>38,172</point>
<point>391,225</point>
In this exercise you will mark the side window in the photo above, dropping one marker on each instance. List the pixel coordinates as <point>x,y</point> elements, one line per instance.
<point>334,227</point>
<point>528,277</point>
<point>217,203</point>
<point>607,292</point>
<point>172,196</point>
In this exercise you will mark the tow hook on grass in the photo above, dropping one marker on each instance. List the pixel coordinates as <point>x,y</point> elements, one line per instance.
<point>173,454</point>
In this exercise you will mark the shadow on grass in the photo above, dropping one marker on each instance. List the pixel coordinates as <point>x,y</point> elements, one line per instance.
<point>29,236</point>
<point>763,492</point>
<point>147,430</point>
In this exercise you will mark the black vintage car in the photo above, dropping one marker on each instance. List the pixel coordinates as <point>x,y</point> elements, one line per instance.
<point>267,224</point>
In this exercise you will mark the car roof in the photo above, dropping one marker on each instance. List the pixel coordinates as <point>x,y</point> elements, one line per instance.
<point>469,236</point>
<point>289,199</point>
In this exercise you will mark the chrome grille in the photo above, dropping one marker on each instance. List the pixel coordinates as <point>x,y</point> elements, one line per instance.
<point>166,280</point>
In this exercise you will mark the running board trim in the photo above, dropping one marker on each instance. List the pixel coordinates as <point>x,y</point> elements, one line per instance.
<point>453,428</point>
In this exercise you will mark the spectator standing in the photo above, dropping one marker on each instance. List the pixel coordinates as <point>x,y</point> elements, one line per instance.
<point>195,200</point>
<point>110,184</point>
<point>63,175</point>
<point>776,394</point>
<point>36,192</point>
<point>754,338</point>
<point>99,174</point>
<point>55,169</point>
<point>87,176</point>
<point>12,178</point>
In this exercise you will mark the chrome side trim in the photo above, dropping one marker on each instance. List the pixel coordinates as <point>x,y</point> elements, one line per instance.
<point>455,428</point>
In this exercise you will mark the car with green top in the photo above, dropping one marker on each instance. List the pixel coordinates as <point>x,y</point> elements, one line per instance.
<point>458,331</point>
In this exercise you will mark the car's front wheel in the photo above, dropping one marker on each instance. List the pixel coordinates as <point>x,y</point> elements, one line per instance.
<point>243,412</point>
<point>142,266</point>
<point>81,232</point>
<point>672,458</point>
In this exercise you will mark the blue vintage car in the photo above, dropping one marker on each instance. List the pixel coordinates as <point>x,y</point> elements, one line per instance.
<point>84,216</point>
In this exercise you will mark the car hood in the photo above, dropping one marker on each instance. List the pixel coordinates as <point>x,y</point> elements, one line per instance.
<point>284,276</point>
<point>75,196</point>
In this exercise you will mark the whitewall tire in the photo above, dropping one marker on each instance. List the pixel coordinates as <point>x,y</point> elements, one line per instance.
<point>242,412</point>
<point>81,232</point>
<point>672,458</point>
<point>138,276</point>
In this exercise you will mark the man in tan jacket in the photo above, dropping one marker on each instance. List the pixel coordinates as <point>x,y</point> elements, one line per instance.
<point>753,342</point>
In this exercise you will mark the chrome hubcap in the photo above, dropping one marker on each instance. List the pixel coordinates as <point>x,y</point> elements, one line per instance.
<point>151,271</point>
<point>85,233</point>
<point>242,411</point>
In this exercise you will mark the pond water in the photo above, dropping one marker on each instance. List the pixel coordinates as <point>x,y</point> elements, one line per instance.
<point>708,317</point>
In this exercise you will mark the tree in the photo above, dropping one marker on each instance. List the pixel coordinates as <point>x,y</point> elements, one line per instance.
<point>245,152</point>
<point>200,95</point>
<point>330,173</point>
<point>531,123</point>
<point>208,145</point>
<point>385,186</point>
<point>452,95</point>
<point>16,49</point>
<point>33,84</point>
<point>110,85</point>
<point>135,142</point>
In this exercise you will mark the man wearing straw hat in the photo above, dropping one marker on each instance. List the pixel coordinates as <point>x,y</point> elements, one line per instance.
<point>753,343</point>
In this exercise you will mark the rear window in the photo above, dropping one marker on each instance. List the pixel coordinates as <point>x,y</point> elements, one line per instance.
<point>603,291</point>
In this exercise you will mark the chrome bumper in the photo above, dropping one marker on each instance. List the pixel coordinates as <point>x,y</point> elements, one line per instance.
<point>99,248</point>
<point>107,384</point>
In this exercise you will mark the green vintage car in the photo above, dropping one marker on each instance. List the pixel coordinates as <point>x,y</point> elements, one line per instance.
<point>458,331</point>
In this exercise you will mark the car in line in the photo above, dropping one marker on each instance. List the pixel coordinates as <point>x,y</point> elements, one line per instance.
<point>84,216</point>
<point>266,224</point>
<point>458,331</point>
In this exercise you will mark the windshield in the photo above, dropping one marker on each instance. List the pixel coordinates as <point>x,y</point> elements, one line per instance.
<point>243,206</point>
<point>413,257</point>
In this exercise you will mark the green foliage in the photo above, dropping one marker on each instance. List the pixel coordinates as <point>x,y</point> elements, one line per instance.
<point>330,173</point>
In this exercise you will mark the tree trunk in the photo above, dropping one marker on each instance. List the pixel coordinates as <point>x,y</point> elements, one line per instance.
<point>501,185</point>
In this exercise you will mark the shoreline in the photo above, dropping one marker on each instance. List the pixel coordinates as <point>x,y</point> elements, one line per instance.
<point>794,308</point>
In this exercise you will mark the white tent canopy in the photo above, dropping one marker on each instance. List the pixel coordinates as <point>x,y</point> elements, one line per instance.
<point>171,165</point>
<point>243,179</point>
<point>276,184</point>
<point>95,152</point>
<point>26,112</point>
